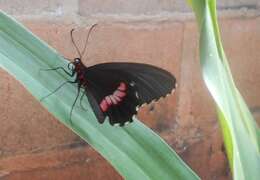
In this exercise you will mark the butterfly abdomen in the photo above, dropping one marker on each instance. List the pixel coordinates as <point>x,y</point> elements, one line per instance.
<point>115,98</point>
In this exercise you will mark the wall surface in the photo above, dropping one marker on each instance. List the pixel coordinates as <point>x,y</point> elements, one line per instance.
<point>34,145</point>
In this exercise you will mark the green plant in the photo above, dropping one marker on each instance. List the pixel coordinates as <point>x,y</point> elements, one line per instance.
<point>241,133</point>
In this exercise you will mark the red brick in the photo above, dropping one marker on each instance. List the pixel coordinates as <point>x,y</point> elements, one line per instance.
<point>206,157</point>
<point>70,172</point>
<point>77,163</point>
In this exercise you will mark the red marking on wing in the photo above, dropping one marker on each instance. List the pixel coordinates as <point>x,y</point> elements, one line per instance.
<point>104,105</point>
<point>108,100</point>
<point>119,94</point>
<point>115,98</point>
<point>122,86</point>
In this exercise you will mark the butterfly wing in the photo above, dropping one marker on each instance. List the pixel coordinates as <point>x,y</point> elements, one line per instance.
<point>144,83</point>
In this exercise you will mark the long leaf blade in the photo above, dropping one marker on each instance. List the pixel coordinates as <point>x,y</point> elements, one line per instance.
<point>241,133</point>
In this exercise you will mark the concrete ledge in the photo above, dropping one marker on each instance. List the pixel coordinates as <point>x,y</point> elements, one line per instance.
<point>39,7</point>
<point>111,7</point>
<point>77,19</point>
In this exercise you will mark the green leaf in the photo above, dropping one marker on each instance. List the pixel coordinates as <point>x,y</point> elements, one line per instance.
<point>135,151</point>
<point>241,133</point>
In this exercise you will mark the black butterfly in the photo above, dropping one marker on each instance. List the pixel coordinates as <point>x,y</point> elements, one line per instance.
<point>117,89</point>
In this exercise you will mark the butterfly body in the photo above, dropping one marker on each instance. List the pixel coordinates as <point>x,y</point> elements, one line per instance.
<point>79,69</point>
<point>116,90</point>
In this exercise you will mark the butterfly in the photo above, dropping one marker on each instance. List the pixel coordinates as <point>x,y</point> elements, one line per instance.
<point>116,90</point>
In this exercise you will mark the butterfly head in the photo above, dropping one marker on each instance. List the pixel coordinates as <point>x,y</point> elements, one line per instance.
<point>77,63</point>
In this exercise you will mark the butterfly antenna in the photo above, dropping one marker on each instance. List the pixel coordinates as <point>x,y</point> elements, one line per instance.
<point>85,47</point>
<point>76,47</point>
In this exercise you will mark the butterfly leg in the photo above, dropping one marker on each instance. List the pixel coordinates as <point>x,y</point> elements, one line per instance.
<point>72,107</point>
<point>54,69</point>
<point>81,98</point>
<point>60,86</point>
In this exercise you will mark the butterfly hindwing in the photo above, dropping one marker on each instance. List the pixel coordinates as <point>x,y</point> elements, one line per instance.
<point>144,83</point>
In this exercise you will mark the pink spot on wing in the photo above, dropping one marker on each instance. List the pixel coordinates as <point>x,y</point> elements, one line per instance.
<point>115,98</point>
<point>104,105</point>
<point>108,100</point>
<point>122,86</point>
<point>119,94</point>
<point>118,99</point>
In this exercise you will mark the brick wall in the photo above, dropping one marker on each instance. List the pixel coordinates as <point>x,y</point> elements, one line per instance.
<point>34,145</point>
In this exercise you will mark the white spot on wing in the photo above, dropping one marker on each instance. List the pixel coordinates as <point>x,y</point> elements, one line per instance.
<point>116,124</point>
<point>132,83</point>
<point>136,108</point>
<point>137,95</point>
